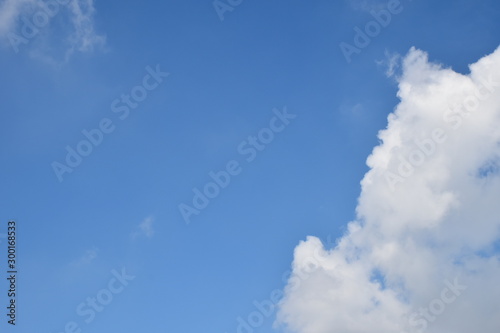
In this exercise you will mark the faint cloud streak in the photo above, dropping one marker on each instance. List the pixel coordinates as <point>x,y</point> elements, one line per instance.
<point>86,258</point>
<point>145,228</point>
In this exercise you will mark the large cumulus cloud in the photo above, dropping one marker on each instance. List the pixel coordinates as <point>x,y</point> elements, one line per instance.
<point>422,254</point>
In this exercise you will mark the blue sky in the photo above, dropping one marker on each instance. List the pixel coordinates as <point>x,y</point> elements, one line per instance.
<point>119,208</point>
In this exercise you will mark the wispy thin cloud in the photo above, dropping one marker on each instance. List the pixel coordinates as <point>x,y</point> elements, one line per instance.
<point>23,21</point>
<point>391,63</point>
<point>144,229</point>
<point>86,258</point>
<point>10,12</point>
<point>84,37</point>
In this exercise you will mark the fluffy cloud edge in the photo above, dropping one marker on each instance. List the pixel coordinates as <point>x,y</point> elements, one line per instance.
<point>420,255</point>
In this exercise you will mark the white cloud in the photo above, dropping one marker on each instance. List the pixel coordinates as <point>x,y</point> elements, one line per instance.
<point>391,63</point>
<point>352,110</point>
<point>86,258</point>
<point>71,22</point>
<point>145,228</point>
<point>432,224</point>
<point>9,12</point>
<point>84,37</point>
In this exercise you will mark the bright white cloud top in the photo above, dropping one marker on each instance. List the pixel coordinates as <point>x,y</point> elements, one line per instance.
<point>423,252</point>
